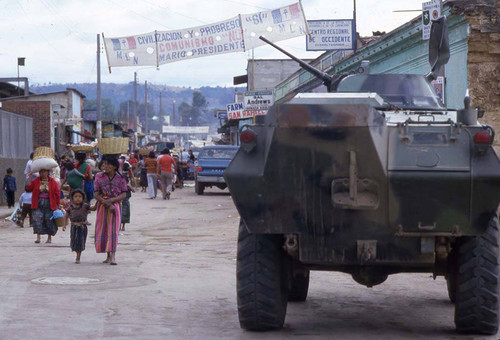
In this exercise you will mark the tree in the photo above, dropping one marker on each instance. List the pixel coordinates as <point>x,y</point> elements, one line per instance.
<point>193,115</point>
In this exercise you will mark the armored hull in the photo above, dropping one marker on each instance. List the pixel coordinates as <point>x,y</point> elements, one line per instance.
<point>342,176</point>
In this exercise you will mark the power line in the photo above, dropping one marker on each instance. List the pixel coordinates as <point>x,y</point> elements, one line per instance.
<point>245,4</point>
<point>138,14</point>
<point>53,10</point>
<point>175,12</point>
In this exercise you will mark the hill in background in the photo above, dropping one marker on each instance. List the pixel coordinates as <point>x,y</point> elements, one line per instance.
<point>217,97</point>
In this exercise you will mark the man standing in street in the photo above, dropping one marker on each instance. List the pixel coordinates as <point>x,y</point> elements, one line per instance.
<point>165,171</point>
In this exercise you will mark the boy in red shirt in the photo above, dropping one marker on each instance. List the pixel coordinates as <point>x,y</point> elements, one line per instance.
<point>165,164</point>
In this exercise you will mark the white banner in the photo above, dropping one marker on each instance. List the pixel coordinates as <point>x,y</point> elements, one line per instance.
<point>278,24</point>
<point>185,129</point>
<point>138,50</point>
<point>202,41</point>
<point>237,34</point>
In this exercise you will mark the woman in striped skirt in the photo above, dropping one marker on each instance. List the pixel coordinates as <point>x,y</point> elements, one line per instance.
<point>110,189</point>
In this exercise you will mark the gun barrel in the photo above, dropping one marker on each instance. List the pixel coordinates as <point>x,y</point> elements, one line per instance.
<point>327,79</point>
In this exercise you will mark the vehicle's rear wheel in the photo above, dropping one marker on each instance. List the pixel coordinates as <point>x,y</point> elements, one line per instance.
<point>261,281</point>
<point>477,295</point>
<point>198,187</point>
<point>299,286</point>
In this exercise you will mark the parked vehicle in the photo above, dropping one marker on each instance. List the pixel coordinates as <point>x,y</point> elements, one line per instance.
<point>211,164</point>
<point>375,178</point>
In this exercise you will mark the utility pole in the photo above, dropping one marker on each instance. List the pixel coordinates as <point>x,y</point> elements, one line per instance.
<point>355,28</point>
<point>146,107</point>
<point>161,112</point>
<point>128,114</point>
<point>98,98</point>
<point>134,125</point>
<point>173,113</point>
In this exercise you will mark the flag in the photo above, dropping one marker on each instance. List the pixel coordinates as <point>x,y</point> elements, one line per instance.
<point>123,44</point>
<point>137,50</point>
<point>20,61</point>
<point>277,24</point>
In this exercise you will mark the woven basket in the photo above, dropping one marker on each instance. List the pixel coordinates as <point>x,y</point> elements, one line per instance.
<point>113,146</point>
<point>144,152</point>
<point>43,152</point>
<point>82,148</point>
<point>59,221</point>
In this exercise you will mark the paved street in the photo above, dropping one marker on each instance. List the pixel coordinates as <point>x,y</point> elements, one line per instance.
<point>175,279</point>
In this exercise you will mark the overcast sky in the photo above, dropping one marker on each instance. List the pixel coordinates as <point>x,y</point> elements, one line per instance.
<point>58,37</point>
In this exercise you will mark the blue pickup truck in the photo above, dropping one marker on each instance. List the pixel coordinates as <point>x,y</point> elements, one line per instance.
<point>212,161</point>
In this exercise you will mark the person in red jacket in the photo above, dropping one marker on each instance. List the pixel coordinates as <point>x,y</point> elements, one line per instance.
<point>45,199</point>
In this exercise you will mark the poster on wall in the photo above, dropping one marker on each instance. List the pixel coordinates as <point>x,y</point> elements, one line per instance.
<point>439,88</point>
<point>330,35</point>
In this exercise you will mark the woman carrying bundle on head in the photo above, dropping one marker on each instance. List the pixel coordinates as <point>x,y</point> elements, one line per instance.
<point>110,188</point>
<point>44,200</point>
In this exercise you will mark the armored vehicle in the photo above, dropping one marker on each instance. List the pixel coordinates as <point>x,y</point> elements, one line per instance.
<point>375,177</point>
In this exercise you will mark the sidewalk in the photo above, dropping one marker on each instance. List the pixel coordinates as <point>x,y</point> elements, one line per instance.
<point>5,211</point>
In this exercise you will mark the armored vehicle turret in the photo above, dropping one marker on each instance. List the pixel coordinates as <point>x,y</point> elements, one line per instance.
<point>375,177</point>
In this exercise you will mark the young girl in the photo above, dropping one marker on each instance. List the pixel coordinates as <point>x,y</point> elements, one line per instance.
<point>77,214</point>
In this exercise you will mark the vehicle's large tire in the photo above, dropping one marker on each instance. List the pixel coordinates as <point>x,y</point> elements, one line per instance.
<point>477,296</point>
<point>299,286</point>
<point>261,281</point>
<point>451,273</point>
<point>198,187</point>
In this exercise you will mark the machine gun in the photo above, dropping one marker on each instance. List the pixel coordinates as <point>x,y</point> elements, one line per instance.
<point>329,81</point>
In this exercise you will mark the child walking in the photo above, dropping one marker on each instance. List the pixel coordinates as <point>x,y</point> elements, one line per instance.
<point>10,187</point>
<point>77,214</point>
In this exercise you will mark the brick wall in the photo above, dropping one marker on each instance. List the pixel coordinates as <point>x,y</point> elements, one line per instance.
<point>483,59</point>
<point>40,112</point>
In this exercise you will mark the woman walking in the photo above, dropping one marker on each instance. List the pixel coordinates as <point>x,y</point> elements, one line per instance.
<point>143,180</point>
<point>45,199</point>
<point>84,168</point>
<point>110,188</point>
<point>152,165</point>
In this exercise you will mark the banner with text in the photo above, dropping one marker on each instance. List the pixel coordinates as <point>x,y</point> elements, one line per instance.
<point>328,35</point>
<point>202,41</point>
<point>278,24</point>
<point>185,129</point>
<point>138,50</point>
<point>237,34</point>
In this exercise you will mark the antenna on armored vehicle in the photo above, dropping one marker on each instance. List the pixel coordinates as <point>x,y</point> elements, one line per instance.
<point>329,81</point>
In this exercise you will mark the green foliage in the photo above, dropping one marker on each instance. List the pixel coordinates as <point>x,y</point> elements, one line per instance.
<point>196,113</point>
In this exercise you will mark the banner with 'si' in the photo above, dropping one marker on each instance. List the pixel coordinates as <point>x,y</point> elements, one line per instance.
<point>277,24</point>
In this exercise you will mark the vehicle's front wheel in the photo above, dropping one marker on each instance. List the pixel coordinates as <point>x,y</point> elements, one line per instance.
<point>261,280</point>
<point>299,286</point>
<point>478,270</point>
<point>198,187</point>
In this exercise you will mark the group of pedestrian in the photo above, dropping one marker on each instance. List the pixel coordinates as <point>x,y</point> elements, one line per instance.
<point>48,192</point>
<point>72,186</point>
<point>162,168</point>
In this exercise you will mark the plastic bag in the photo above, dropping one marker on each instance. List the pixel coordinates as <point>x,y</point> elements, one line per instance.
<point>15,217</point>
